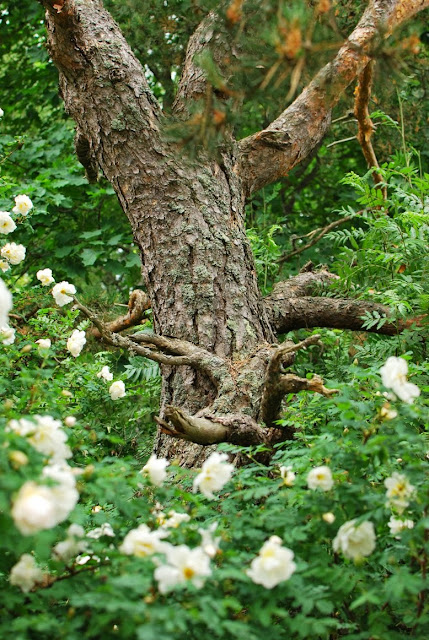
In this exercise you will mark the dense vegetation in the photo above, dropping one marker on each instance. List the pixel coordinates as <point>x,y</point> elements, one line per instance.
<point>73,440</point>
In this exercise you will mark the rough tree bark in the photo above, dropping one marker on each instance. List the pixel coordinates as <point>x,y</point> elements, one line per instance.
<point>215,336</point>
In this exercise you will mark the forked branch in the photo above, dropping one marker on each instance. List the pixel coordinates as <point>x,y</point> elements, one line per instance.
<point>185,353</point>
<point>137,305</point>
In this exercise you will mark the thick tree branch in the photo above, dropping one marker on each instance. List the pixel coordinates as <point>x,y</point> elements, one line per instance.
<point>278,384</point>
<point>365,125</point>
<point>269,155</point>
<point>137,305</point>
<point>291,313</point>
<point>187,353</point>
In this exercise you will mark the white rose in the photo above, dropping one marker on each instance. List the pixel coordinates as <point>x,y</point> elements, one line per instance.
<point>394,376</point>
<point>70,421</point>
<point>142,542</point>
<point>155,468</point>
<point>34,509</point>
<point>4,265</point>
<point>7,335</point>
<point>1,113</point>
<point>44,344</point>
<point>104,530</point>
<point>5,304</point>
<point>45,276</point>
<point>209,544</point>
<point>396,525</point>
<point>399,490</point>
<point>320,478</point>
<point>288,476</point>
<point>183,564</point>
<point>273,565</point>
<point>7,225</point>
<point>117,390</point>
<point>105,373</point>
<point>328,517</point>
<point>215,473</point>
<point>49,438</point>
<point>62,293</point>
<point>355,541</point>
<point>13,252</point>
<point>23,205</point>
<point>25,574</point>
<point>175,519</point>
<point>76,342</point>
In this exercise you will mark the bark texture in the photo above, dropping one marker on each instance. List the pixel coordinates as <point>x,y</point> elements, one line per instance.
<point>214,336</point>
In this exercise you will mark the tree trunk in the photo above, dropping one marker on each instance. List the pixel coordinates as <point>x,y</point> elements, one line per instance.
<point>187,218</point>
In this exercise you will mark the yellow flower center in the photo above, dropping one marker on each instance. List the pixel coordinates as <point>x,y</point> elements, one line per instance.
<point>188,573</point>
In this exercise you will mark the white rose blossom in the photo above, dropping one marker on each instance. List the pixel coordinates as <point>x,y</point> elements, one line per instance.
<point>183,565</point>
<point>14,253</point>
<point>7,335</point>
<point>23,205</point>
<point>399,491</point>
<point>273,565</point>
<point>1,113</point>
<point>45,434</point>
<point>209,544</point>
<point>7,225</point>
<point>37,507</point>
<point>63,292</point>
<point>355,541</point>
<point>394,376</point>
<point>72,546</point>
<point>117,390</point>
<point>396,525</point>
<point>70,421</point>
<point>104,530</point>
<point>4,265</point>
<point>328,517</point>
<point>215,473</point>
<point>142,542</point>
<point>173,520</point>
<point>25,574</point>
<point>105,373</point>
<point>155,469</point>
<point>44,344</point>
<point>320,478</point>
<point>5,304</point>
<point>45,276</point>
<point>76,342</point>
<point>288,476</point>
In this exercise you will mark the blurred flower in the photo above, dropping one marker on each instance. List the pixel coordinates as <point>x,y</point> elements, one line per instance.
<point>394,376</point>
<point>215,473</point>
<point>142,542</point>
<point>72,545</point>
<point>44,344</point>
<point>1,113</point>
<point>183,564</point>
<point>5,304</point>
<point>7,225</point>
<point>387,413</point>
<point>25,574</point>
<point>174,519</point>
<point>398,491</point>
<point>17,459</point>
<point>320,478</point>
<point>117,390</point>
<point>23,205</point>
<point>328,517</point>
<point>70,421</point>
<point>105,374</point>
<point>62,293</point>
<point>13,252</point>
<point>4,265</point>
<point>45,276</point>
<point>209,544</point>
<point>396,525</point>
<point>104,530</point>
<point>273,565</point>
<point>7,335</point>
<point>155,468</point>
<point>355,541</point>
<point>76,342</point>
<point>288,476</point>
